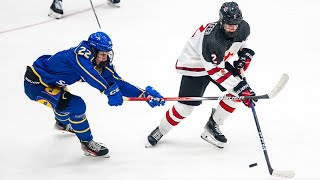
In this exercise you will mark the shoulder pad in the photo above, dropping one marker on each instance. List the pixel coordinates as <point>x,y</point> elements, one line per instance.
<point>243,31</point>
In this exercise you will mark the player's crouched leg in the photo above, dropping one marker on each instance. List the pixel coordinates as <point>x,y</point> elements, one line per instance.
<point>77,118</point>
<point>80,126</point>
<point>62,121</point>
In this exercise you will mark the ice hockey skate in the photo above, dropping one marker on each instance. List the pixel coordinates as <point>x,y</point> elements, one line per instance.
<point>212,133</point>
<point>63,128</point>
<point>114,3</point>
<point>56,10</point>
<point>92,148</point>
<point>154,138</point>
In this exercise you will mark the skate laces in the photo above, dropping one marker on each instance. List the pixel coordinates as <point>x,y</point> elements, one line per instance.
<point>157,134</point>
<point>216,127</point>
<point>69,128</point>
<point>58,4</point>
<point>94,146</point>
<point>62,127</point>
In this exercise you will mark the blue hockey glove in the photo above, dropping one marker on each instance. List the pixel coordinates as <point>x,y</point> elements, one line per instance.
<point>155,97</point>
<point>114,95</point>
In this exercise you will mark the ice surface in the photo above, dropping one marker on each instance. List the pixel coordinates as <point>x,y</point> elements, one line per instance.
<point>148,37</point>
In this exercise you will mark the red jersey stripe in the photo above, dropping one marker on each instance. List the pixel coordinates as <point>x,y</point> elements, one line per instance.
<point>214,70</point>
<point>223,78</point>
<point>189,69</point>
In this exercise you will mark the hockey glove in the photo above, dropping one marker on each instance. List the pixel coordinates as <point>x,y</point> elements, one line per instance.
<point>243,89</point>
<point>114,95</point>
<point>155,97</point>
<point>245,56</point>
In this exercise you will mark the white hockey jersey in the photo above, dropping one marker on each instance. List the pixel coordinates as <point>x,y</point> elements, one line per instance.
<point>207,52</point>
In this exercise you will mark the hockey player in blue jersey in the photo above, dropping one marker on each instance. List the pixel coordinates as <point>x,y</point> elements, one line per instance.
<point>47,79</point>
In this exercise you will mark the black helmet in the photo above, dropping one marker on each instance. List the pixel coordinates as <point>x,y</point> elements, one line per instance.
<point>230,13</point>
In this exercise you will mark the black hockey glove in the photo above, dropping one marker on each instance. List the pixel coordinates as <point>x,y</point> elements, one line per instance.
<point>243,89</point>
<point>245,56</point>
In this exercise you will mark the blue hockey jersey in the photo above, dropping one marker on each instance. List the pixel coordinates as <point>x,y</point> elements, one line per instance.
<point>76,64</point>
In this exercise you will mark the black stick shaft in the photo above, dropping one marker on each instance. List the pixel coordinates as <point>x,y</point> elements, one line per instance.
<point>264,148</point>
<point>95,14</point>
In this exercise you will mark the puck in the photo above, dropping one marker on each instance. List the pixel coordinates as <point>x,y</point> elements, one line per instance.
<point>253,165</point>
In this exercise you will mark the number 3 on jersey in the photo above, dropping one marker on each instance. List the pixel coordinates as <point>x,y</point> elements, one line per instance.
<point>84,52</point>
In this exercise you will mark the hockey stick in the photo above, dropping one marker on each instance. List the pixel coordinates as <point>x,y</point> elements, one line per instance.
<point>95,14</point>
<point>282,174</point>
<point>279,86</point>
<point>274,92</point>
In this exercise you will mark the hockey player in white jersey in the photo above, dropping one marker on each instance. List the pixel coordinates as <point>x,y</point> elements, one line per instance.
<point>204,59</point>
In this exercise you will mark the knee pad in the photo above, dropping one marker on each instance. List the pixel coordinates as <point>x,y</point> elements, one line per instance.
<point>78,119</point>
<point>173,117</point>
<point>183,109</point>
<point>224,110</point>
<point>76,106</point>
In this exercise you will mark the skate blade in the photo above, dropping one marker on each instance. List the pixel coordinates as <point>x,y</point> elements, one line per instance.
<point>148,145</point>
<point>90,154</point>
<point>114,5</point>
<point>54,14</point>
<point>57,129</point>
<point>205,136</point>
<point>64,131</point>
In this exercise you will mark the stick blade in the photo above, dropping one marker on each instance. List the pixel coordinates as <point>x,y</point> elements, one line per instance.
<point>283,174</point>
<point>280,85</point>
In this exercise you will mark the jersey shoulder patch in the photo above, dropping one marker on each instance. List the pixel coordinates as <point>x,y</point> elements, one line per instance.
<point>209,28</point>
